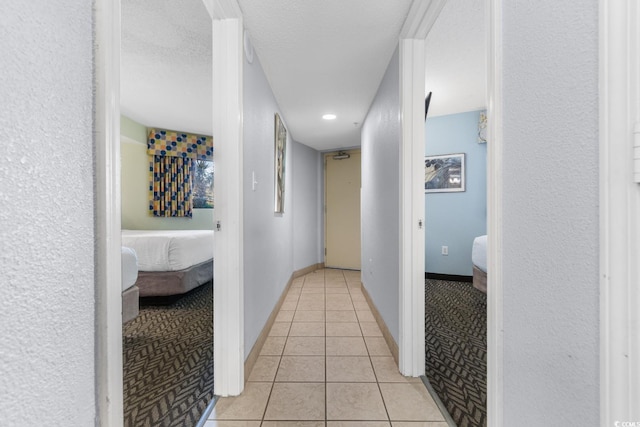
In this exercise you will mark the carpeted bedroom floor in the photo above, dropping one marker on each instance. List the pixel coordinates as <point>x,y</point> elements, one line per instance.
<point>168,362</point>
<point>456,349</point>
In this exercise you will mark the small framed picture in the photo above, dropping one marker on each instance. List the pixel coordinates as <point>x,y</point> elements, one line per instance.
<point>444,173</point>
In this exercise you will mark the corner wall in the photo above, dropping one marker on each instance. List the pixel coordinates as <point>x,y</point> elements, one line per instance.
<point>47,345</point>
<point>455,219</point>
<point>275,245</point>
<point>550,213</point>
<point>381,139</point>
<point>307,206</point>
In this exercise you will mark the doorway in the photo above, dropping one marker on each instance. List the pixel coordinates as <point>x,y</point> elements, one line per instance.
<point>342,209</point>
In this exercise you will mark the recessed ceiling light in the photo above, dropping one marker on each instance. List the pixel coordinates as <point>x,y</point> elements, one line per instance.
<point>329,117</point>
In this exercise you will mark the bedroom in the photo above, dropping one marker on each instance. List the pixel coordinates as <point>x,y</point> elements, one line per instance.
<point>276,244</point>
<point>165,107</point>
<point>455,312</point>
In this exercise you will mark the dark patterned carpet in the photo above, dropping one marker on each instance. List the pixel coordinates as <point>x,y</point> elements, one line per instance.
<point>456,347</point>
<point>168,362</point>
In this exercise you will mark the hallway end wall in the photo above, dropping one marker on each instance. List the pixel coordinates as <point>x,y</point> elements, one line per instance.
<point>381,138</point>
<point>274,244</point>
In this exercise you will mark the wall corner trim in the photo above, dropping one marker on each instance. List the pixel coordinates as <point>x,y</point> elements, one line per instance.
<point>228,337</point>
<point>619,212</point>
<point>412,237</point>
<point>495,400</point>
<point>421,17</point>
<point>108,298</point>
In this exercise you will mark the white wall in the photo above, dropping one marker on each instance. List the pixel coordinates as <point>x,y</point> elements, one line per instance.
<point>455,219</point>
<point>46,220</point>
<point>381,137</point>
<point>269,242</point>
<point>550,217</point>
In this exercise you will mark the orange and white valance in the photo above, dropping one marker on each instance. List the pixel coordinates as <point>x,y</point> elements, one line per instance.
<point>178,144</point>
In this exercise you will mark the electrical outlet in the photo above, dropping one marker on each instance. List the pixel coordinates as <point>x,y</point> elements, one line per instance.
<point>445,250</point>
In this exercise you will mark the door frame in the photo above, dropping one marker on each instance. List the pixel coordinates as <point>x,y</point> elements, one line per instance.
<point>619,210</point>
<point>108,305</point>
<point>411,347</point>
<point>495,337</point>
<point>228,311</point>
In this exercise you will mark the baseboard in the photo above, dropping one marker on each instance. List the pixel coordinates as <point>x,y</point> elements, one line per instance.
<point>393,346</point>
<point>307,270</point>
<point>451,277</point>
<point>250,361</point>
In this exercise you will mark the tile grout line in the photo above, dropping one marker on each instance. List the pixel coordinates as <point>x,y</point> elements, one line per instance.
<point>326,373</point>
<point>273,382</point>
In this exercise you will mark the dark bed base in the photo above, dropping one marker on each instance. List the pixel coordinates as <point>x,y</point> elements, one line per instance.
<point>168,283</point>
<point>479,279</point>
<point>166,300</point>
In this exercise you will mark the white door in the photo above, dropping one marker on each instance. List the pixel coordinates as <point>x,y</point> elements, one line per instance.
<point>342,210</point>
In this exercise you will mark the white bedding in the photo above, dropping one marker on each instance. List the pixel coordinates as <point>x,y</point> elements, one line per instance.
<point>169,250</point>
<point>129,268</point>
<point>479,253</point>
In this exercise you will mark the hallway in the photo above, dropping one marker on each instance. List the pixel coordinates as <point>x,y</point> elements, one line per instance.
<point>326,362</point>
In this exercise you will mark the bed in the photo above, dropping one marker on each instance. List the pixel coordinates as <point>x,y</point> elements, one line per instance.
<point>171,262</point>
<point>479,260</point>
<point>130,292</point>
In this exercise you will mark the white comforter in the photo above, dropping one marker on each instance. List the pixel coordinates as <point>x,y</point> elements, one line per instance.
<point>479,252</point>
<point>129,268</point>
<point>169,250</point>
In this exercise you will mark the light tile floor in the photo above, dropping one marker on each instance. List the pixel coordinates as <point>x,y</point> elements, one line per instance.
<point>325,363</point>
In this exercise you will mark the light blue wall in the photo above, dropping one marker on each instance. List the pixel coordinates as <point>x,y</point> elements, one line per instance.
<point>455,219</point>
<point>381,135</point>
<point>275,245</point>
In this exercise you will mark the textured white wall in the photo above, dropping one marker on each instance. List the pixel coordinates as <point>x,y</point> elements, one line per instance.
<point>550,219</point>
<point>46,220</point>
<point>269,237</point>
<point>381,136</point>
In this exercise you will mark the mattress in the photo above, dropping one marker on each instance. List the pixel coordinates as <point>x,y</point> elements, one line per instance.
<point>129,268</point>
<point>169,250</point>
<point>479,253</point>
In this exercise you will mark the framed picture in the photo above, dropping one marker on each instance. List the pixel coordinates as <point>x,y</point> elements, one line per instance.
<point>444,173</point>
<point>280,162</point>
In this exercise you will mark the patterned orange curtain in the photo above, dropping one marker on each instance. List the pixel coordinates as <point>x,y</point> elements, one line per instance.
<point>171,186</point>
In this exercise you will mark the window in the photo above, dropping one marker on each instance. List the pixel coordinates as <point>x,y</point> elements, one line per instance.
<point>203,184</point>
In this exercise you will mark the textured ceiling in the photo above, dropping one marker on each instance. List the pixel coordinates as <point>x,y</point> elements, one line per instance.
<point>456,59</point>
<point>320,57</point>
<point>166,67</point>
<point>324,57</point>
